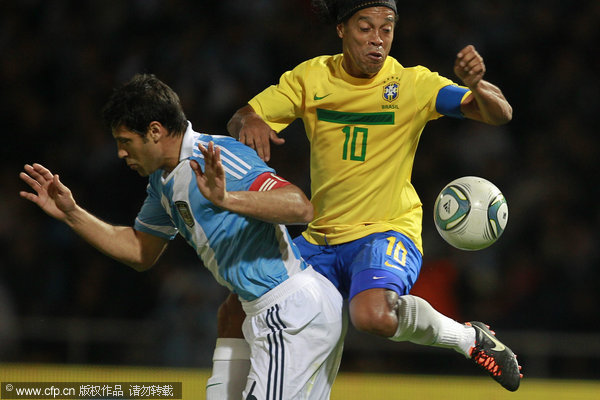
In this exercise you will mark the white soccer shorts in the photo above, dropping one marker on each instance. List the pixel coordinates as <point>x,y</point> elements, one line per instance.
<point>296,340</point>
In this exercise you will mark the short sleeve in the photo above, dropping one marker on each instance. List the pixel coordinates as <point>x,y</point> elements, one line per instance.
<point>153,218</point>
<point>427,87</point>
<point>279,105</point>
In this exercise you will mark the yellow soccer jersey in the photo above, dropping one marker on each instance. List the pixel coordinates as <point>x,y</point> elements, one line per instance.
<point>363,136</point>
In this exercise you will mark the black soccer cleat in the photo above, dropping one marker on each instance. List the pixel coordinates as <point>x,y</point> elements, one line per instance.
<point>494,357</point>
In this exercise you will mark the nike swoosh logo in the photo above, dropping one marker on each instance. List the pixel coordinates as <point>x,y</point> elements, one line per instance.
<point>378,277</point>
<point>316,98</point>
<point>213,384</point>
<point>499,346</point>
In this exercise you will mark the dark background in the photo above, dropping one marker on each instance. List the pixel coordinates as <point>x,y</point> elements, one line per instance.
<point>62,301</point>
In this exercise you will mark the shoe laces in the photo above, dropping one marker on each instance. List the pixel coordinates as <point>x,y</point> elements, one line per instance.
<point>488,362</point>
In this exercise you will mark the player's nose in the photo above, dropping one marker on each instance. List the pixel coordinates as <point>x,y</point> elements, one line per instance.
<point>375,39</point>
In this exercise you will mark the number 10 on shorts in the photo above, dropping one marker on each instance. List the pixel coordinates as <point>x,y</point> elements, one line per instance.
<point>395,247</point>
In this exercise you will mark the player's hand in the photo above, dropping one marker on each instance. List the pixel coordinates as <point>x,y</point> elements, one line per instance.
<point>211,181</point>
<point>469,66</point>
<point>258,135</point>
<point>50,194</point>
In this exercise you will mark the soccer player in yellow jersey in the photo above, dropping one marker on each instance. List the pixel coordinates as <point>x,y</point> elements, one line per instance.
<point>364,113</point>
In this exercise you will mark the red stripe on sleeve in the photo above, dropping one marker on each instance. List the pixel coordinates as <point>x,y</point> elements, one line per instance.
<point>267,181</point>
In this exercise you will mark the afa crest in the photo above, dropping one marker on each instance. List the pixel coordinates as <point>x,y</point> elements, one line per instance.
<point>185,212</point>
<point>390,91</point>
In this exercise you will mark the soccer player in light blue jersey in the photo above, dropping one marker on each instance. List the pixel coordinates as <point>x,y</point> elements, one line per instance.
<point>230,207</point>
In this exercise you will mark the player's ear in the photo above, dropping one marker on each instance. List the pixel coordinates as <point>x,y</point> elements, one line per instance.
<point>340,30</point>
<point>155,130</point>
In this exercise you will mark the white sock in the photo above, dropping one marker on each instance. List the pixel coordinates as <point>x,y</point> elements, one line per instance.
<point>420,323</point>
<point>231,365</point>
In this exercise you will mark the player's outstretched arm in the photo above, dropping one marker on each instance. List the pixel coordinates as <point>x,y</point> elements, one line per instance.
<point>286,205</point>
<point>249,128</point>
<point>136,249</point>
<point>487,103</point>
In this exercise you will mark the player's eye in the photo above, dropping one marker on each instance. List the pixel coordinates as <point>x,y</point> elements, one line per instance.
<point>387,28</point>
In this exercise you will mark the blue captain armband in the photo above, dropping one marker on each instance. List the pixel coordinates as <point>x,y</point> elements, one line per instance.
<point>449,99</point>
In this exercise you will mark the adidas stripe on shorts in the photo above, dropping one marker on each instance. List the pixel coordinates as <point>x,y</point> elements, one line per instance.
<point>295,337</point>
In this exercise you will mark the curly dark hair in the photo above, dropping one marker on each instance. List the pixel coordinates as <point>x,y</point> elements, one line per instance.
<point>144,99</point>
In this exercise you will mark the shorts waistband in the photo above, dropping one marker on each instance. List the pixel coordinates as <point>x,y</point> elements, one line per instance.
<point>287,287</point>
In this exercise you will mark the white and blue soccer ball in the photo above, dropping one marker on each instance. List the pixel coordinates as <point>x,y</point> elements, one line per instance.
<point>470,213</point>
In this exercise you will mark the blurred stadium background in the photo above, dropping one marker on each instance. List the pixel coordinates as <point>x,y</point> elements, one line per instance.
<point>65,307</point>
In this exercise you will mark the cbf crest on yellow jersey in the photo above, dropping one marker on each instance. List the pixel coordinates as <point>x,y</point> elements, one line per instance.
<point>363,135</point>
<point>390,91</point>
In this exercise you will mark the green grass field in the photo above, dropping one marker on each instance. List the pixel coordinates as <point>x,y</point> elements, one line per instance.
<point>347,386</point>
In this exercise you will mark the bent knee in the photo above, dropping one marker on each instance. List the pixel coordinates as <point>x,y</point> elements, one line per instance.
<point>378,324</point>
<point>375,313</point>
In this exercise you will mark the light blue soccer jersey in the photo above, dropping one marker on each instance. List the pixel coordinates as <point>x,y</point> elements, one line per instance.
<point>248,256</point>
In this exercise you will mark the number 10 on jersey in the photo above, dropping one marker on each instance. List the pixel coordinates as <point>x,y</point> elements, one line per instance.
<point>356,140</point>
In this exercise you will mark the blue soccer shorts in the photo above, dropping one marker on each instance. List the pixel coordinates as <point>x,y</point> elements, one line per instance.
<point>388,260</point>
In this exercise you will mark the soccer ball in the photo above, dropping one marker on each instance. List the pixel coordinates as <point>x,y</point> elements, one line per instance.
<point>470,213</point>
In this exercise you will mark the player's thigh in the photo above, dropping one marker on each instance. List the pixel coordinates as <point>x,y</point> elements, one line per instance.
<point>386,260</point>
<point>230,318</point>
<point>296,345</point>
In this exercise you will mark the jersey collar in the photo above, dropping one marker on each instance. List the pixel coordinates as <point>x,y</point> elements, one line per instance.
<point>187,144</point>
<point>187,148</point>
